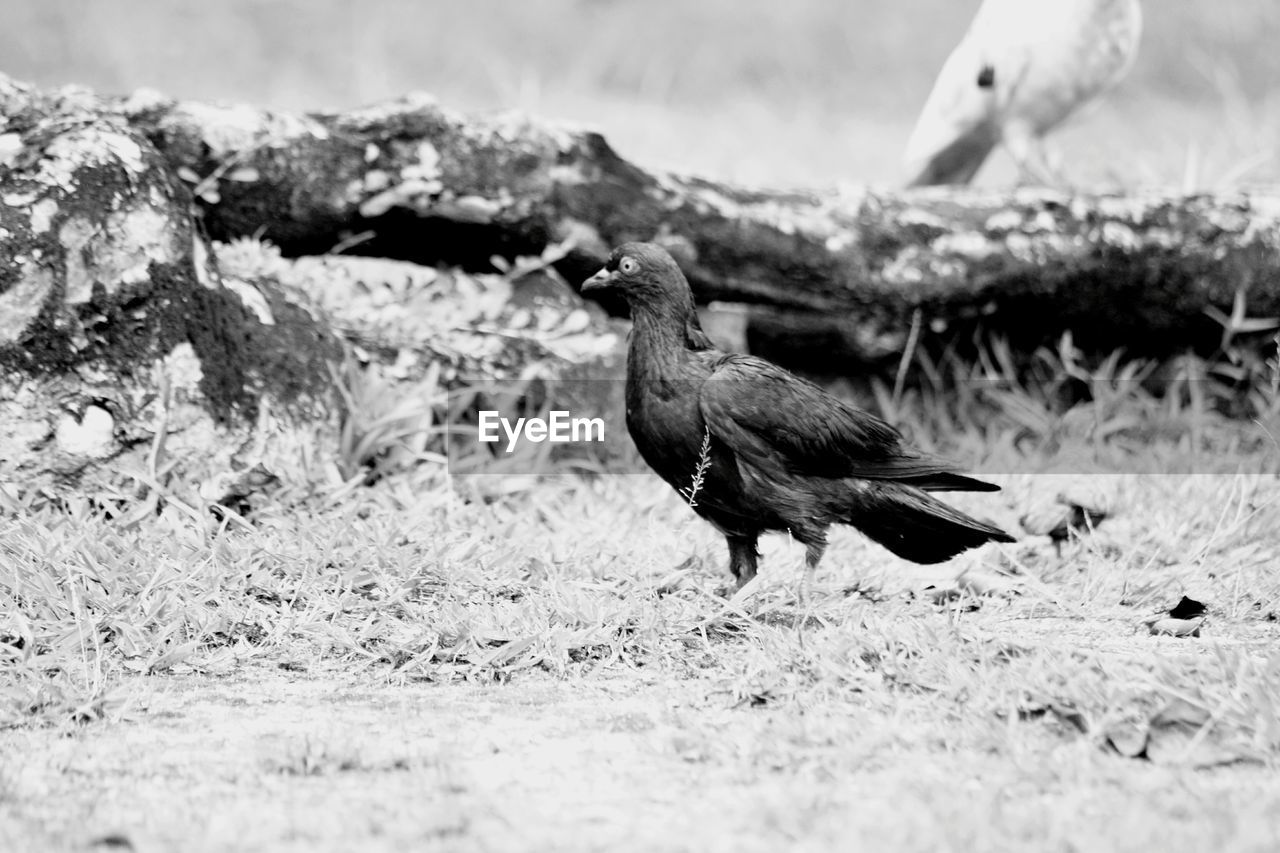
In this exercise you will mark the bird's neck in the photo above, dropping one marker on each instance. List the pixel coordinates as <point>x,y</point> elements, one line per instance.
<point>667,335</point>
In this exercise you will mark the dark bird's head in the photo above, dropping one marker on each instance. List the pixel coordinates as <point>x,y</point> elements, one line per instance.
<point>645,275</point>
<point>655,289</point>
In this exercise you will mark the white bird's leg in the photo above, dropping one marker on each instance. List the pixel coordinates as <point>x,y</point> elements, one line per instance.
<point>1052,159</point>
<point>1028,152</point>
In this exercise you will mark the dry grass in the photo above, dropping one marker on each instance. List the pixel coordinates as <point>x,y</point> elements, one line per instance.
<point>324,672</point>
<point>870,684</point>
<point>370,567</point>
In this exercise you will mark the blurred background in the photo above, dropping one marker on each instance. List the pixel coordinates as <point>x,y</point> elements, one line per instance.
<point>806,92</point>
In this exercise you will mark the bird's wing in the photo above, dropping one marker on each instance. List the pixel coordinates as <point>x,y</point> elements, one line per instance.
<point>1075,51</point>
<point>774,420</point>
<point>1096,47</point>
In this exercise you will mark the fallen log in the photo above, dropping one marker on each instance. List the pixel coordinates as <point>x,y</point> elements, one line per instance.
<point>132,346</point>
<point>850,268</point>
<point>413,180</point>
<point>122,333</point>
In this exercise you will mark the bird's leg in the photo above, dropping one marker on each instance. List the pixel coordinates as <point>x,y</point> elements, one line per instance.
<point>813,550</point>
<point>1051,157</point>
<point>1028,151</point>
<point>743,558</point>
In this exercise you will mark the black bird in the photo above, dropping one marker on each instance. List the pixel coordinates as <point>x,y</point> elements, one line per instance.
<point>753,448</point>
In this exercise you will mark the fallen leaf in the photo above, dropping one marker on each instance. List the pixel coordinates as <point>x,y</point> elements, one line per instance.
<point>1034,707</point>
<point>1188,608</point>
<point>235,489</point>
<point>1129,739</point>
<point>1181,747</point>
<point>981,582</point>
<point>1175,627</point>
<point>1180,712</point>
<point>1075,511</point>
<point>1182,733</point>
<point>949,593</point>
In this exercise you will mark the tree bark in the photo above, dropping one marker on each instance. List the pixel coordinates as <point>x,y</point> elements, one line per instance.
<point>422,183</point>
<point>130,343</point>
<point>849,268</point>
<point>121,323</point>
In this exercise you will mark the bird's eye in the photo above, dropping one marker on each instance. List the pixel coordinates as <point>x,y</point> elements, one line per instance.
<point>629,266</point>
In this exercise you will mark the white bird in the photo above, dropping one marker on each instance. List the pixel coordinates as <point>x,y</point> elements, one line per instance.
<point>1022,68</point>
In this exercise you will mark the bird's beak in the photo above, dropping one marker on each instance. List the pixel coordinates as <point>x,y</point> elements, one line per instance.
<point>599,281</point>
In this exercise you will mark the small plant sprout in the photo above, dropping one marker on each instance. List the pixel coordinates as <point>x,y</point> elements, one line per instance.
<point>700,473</point>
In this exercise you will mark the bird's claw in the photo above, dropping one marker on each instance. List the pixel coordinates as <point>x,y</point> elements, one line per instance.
<point>746,590</point>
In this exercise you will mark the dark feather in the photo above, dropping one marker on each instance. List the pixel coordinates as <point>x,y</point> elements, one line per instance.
<point>772,417</point>
<point>783,454</point>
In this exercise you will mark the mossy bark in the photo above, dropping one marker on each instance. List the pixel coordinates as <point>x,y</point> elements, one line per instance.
<point>849,268</point>
<point>107,278</point>
<point>113,320</point>
<point>120,329</point>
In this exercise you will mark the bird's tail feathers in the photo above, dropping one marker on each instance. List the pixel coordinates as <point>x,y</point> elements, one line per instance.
<point>920,528</point>
<point>948,481</point>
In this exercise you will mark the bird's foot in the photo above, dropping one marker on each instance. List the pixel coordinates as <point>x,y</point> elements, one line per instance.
<point>1037,165</point>
<point>1041,172</point>
<point>804,603</point>
<point>746,590</point>
<point>804,594</point>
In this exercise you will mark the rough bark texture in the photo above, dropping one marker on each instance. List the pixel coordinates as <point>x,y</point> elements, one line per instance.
<point>847,269</point>
<point>128,339</point>
<point>112,320</point>
<point>120,321</point>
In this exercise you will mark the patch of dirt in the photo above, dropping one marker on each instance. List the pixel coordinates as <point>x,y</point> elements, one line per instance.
<point>274,760</point>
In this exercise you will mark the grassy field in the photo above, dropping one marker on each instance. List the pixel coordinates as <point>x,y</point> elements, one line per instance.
<point>555,663</point>
<point>559,668</point>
